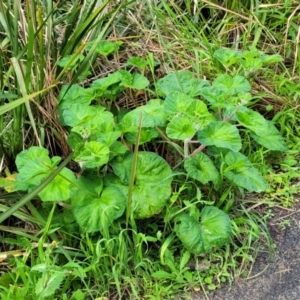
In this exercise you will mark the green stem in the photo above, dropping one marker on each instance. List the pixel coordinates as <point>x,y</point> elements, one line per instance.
<point>133,171</point>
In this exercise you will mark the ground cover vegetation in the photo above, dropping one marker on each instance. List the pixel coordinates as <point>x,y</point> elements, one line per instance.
<point>143,143</point>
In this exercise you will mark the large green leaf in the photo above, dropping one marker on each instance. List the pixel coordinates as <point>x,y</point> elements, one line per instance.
<point>177,102</point>
<point>101,122</point>
<point>96,213</point>
<point>180,129</point>
<point>34,165</point>
<point>222,135</point>
<point>79,114</point>
<point>273,140</point>
<point>231,85</point>
<point>152,186</point>
<point>264,131</point>
<point>75,94</point>
<point>201,168</point>
<point>241,171</point>
<point>183,82</point>
<point>214,230</point>
<point>61,188</point>
<point>91,183</point>
<point>146,135</point>
<point>91,154</point>
<point>152,116</point>
<point>31,154</point>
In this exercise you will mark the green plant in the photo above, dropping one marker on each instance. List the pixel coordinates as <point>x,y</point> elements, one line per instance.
<point>101,144</point>
<point>211,148</point>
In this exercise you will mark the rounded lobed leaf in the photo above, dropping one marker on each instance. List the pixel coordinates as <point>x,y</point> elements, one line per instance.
<point>214,230</point>
<point>94,213</point>
<point>152,116</point>
<point>201,168</point>
<point>222,135</point>
<point>61,188</point>
<point>152,186</point>
<point>183,82</point>
<point>180,129</point>
<point>177,102</point>
<point>240,171</point>
<point>91,154</point>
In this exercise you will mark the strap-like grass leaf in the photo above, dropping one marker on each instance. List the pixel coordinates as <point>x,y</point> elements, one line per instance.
<point>221,134</point>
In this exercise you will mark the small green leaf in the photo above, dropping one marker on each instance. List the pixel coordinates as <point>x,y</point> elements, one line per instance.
<point>198,113</point>
<point>180,129</point>
<point>227,57</point>
<point>183,82</point>
<point>67,59</point>
<point>139,82</point>
<point>137,62</point>
<point>102,84</point>
<point>74,139</point>
<point>105,48</point>
<point>134,81</point>
<point>271,59</point>
<point>92,154</point>
<point>214,230</point>
<point>222,135</point>
<point>152,116</point>
<point>99,122</point>
<point>201,168</point>
<point>94,213</point>
<point>241,171</point>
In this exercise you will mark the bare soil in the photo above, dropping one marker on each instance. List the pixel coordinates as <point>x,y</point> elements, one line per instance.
<point>281,280</point>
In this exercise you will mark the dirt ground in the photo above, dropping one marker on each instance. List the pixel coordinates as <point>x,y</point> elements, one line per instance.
<point>281,280</point>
